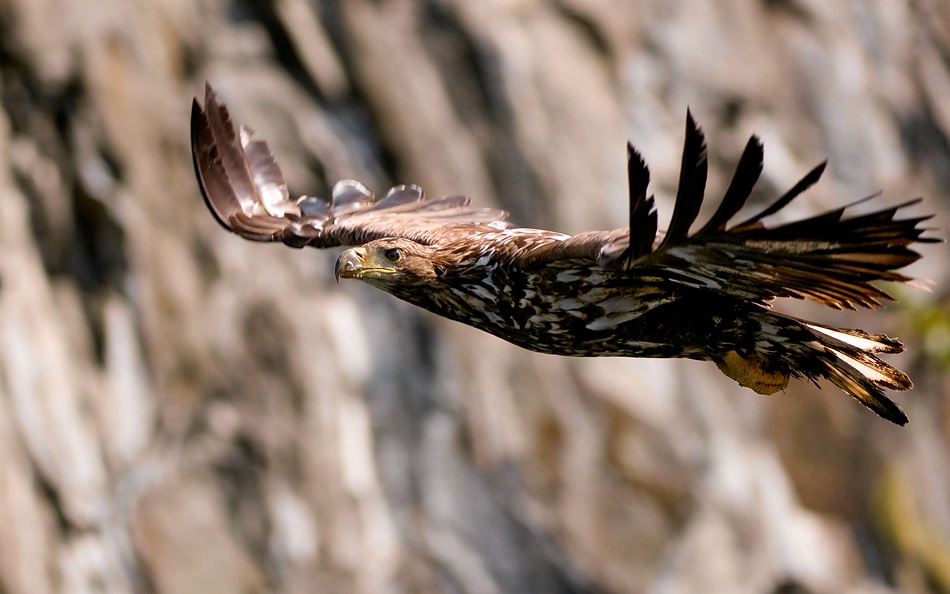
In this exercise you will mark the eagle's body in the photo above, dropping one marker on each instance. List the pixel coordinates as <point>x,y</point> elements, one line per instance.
<point>567,307</point>
<point>575,307</point>
<point>626,292</point>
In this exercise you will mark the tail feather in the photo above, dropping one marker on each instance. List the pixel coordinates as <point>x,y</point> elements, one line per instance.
<point>785,346</point>
<point>848,358</point>
<point>844,338</point>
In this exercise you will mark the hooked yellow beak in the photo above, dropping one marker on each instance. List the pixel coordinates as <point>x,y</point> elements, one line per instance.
<point>357,263</point>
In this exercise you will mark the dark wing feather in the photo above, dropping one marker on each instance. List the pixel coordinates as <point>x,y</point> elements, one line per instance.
<point>810,179</point>
<point>747,174</point>
<point>692,184</point>
<point>243,187</point>
<point>825,258</point>
<point>622,248</point>
<point>610,246</point>
<point>642,210</point>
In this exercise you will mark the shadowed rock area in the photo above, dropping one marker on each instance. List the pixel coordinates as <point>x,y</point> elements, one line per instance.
<point>185,411</point>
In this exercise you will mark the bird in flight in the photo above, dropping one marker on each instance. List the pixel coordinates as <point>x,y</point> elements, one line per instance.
<point>630,292</point>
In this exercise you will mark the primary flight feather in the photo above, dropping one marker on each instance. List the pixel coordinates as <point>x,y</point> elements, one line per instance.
<point>627,292</point>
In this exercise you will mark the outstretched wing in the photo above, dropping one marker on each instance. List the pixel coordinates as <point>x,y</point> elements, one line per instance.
<point>826,258</point>
<point>245,190</point>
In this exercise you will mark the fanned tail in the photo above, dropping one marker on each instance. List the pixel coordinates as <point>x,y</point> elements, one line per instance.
<point>787,346</point>
<point>848,358</point>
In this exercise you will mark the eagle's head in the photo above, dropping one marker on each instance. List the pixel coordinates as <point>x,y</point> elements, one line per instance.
<point>390,263</point>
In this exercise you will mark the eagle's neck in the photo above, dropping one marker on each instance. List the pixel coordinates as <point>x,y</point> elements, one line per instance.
<point>465,294</point>
<point>471,286</point>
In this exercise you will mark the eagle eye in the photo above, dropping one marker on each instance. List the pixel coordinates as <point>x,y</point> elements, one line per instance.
<point>393,255</point>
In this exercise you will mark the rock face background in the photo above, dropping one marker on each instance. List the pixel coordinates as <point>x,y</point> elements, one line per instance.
<point>184,411</point>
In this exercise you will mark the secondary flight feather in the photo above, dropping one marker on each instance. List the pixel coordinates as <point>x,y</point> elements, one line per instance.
<point>626,292</point>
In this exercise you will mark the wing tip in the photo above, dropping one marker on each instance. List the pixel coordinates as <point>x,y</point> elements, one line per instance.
<point>204,157</point>
<point>807,181</point>
<point>642,219</point>
<point>242,186</point>
<point>694,171</point>
<point>694,133</point>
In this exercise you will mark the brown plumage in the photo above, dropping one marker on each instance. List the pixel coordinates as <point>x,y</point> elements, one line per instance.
<point>625,292</point>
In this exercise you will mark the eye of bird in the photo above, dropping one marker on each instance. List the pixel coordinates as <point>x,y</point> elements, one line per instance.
<point>393,254</point>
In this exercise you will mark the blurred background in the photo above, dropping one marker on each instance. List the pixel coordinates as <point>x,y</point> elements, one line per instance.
<point>185,411</point>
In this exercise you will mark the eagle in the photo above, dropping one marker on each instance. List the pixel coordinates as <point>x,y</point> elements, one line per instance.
<point>631,292</point>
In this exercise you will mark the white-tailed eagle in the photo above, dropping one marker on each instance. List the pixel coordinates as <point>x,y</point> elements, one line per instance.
<point>629,292</point>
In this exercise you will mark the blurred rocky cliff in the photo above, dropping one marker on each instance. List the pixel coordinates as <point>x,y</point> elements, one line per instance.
<point>185,411</point>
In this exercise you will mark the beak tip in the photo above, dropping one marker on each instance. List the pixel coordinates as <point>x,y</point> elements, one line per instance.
<point>345,264</point>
